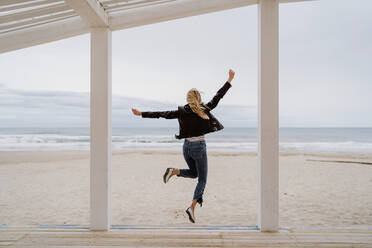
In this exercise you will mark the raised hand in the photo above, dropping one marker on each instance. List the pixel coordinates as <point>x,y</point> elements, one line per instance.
<point>136,112</point>
<point>231,75</point>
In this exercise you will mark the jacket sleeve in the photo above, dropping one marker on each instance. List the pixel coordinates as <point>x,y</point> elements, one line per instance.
<point>164,114</point>
<point>220,93</point>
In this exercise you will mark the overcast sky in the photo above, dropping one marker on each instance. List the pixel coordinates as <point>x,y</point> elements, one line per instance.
<point>325,66</point>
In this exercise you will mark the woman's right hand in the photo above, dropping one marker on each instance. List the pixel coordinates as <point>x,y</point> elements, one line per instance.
<point>136,112</point>
<point>231,75</point>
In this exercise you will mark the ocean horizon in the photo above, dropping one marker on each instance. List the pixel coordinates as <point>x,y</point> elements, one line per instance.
<point>291,139</point>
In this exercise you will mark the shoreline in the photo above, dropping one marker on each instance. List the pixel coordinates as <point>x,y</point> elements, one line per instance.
<point>41,156</point>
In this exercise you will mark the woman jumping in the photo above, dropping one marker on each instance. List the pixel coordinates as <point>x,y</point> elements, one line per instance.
<point>195,120</point>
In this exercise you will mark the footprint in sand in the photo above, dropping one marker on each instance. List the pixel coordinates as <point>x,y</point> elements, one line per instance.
<point>179,214</point>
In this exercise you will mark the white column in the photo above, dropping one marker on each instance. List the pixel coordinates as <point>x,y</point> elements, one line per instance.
<point>268,112</point>
<point>100,129</point>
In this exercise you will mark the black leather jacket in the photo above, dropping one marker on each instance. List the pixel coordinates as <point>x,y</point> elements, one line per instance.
<point>190,124</point>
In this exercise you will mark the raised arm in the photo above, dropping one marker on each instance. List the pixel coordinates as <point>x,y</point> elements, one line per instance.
<point>163,114</point>
<point>221,92</point>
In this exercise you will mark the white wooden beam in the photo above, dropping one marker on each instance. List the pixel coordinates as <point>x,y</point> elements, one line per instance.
<point>295,1</point>
<point>136,4</point>
<point>27,5</point>
<point>170,11</point>
<point>9,2</point>
<point>37,21</point>
<point>175,10</point>
<point>90,11</point>
<point>42,34</point>
<point>100,129</point>
<point>107,2</point>
<point>268,112</point>
<point>53,9</point>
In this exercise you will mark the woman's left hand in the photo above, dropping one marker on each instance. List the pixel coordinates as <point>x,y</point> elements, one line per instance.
<point>136,112</point>
<point>231,75</point>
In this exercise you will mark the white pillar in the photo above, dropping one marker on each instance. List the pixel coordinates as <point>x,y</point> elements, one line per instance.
<point>268,112</point>
<point>100,129</point>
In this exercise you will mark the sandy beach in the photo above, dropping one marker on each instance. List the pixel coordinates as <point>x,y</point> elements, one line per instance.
<point>52,188</point>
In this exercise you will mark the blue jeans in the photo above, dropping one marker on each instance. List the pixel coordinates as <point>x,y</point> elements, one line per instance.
<point>195,154</point>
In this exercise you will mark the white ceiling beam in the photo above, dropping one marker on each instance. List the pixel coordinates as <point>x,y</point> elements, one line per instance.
<point>294,1</point>
<point>170,11</point>
<point>139,3</point>
<point>27,5</point>
<point>116,1</point>
<point>134,6</point>
<point>33,13</point>
<point>90,11</point>
<point>9,2</point>
<point>42,34</point>
<point>36,21</point>
<point>175,10</point>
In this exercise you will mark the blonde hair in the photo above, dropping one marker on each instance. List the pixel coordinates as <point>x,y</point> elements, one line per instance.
<point>194,100</point>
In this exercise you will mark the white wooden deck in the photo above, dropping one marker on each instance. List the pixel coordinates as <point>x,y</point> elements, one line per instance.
<point>40,237</point>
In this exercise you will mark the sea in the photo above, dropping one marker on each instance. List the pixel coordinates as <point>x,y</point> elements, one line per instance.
<point>303,140</point>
